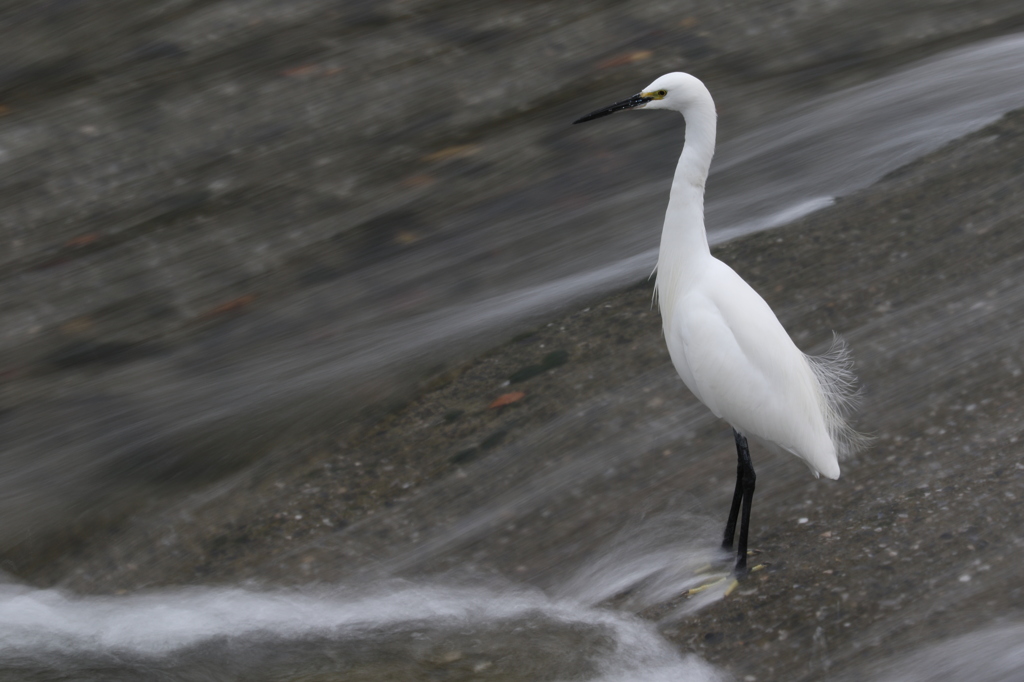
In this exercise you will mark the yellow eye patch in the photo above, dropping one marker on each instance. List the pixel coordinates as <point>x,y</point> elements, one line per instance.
<point>655,94</point>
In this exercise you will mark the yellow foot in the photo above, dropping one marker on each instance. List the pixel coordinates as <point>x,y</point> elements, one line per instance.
<point>730,586</point>
<point>705,586</point>
<point>741,574</point>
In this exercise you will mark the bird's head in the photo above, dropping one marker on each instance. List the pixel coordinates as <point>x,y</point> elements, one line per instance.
<point>676,91</point>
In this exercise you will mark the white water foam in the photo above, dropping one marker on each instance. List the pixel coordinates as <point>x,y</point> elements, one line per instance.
<point>653,562</point>
<point>39,625</point>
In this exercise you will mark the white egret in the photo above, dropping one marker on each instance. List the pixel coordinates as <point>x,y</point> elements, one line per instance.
<point>725,341</point>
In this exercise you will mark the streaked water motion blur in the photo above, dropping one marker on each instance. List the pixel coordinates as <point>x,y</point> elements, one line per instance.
<point>396,631</point>
<point>191,405</point>
<point>992,654</point>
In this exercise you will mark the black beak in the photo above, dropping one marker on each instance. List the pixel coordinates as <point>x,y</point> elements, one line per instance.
<point>631,103</point>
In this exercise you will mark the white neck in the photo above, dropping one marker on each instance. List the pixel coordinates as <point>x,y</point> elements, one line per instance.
<point>684,243</point>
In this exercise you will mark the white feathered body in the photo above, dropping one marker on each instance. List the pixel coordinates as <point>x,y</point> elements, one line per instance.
<point>726,343</point>
<point>735,356</point>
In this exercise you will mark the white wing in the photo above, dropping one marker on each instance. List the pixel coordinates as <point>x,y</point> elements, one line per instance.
<point>736,357</point>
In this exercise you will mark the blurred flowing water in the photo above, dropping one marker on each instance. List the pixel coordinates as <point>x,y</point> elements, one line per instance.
<point>385,632</point>
<point>167,315</point>
<point>991,654</point>
<point>197,407</point>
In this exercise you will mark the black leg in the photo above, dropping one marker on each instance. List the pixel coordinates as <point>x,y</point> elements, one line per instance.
<point>737,496</point>
<point>748,497</point>
<point>744,493</point>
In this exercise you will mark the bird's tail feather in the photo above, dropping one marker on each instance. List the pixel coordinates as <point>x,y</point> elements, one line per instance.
<point>840,394</point>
